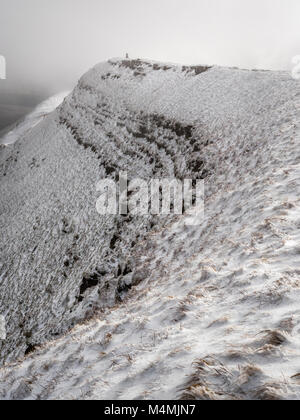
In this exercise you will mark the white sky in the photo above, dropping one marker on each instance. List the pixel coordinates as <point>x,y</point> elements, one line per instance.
<point>49,44</point>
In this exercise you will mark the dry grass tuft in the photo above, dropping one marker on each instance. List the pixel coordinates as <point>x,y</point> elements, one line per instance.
<point>212,380</point>
<point>268,392</point>
<point>274,338</point>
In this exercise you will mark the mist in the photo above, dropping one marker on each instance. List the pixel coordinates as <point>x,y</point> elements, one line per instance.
<point>49,44</point>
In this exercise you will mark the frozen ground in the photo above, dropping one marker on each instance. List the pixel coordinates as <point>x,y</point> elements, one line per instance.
<point>213,311</point>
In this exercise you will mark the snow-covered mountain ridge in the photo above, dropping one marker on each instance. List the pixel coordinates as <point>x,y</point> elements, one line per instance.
<point>214,311</point>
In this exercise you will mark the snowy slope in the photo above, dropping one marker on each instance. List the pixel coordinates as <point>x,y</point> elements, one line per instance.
<point>215,310</point>
<point>20,129</point>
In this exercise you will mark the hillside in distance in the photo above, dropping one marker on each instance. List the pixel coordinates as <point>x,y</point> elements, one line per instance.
<point>208,312</point>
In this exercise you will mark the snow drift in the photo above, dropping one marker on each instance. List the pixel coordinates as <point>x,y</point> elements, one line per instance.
<point>209,312</point>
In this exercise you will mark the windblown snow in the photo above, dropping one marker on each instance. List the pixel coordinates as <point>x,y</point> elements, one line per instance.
<point>151,308</point>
